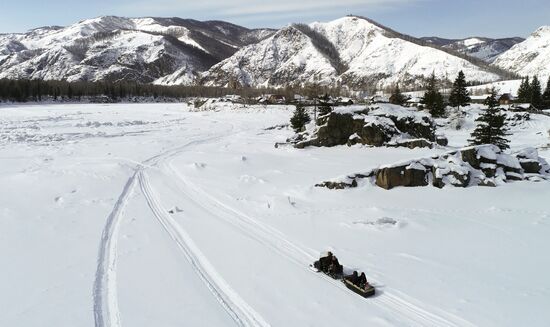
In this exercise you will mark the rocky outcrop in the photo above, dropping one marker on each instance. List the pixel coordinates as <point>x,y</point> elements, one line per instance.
<point>473,166</point>
<point>375,126</point>
<point>412,175</point>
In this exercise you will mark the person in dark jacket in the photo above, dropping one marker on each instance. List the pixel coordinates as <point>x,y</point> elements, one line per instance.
<point>324,262</point>
<point>362,282</point>
<point>353,278</point>
<point>335,267</point>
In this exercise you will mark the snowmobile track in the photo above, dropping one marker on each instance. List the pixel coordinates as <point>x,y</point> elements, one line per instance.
<point>274,239</point>
<point>104,291</point>
<point>235,306</point>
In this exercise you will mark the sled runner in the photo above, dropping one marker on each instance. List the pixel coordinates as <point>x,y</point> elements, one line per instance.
<point>364,292</point>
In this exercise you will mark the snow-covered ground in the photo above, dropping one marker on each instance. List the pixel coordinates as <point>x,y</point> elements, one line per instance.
<point>153,215</point>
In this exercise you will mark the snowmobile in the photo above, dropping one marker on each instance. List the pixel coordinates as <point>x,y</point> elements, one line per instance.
<point>338,274</point>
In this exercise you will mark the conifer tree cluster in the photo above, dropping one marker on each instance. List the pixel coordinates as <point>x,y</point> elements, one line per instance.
<point>491,125</point>
<point>397,97</point>
<point>531,92</point>
<point>546,94</point>
<point>300,118</point>
<point>433,99</point>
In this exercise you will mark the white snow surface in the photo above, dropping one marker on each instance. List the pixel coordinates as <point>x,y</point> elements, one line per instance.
<point>155,215</point>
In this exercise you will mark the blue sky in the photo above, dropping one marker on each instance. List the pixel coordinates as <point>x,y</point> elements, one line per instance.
<point>445,18</point>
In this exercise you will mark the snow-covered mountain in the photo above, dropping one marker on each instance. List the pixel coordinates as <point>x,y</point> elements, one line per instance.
<point>486,49</point>
<point>173,50</point>
<point>530,57</point>
<point>352,50</point>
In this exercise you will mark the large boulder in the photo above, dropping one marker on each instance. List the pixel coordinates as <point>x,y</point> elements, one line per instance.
<point>377,131</point>
<point>372,126</point>
<point>411,175</point>
<point>482,157</point>
<point>530,166</point>
<point>450,171</point>
<point>441,140</point>
<point>412,122</point>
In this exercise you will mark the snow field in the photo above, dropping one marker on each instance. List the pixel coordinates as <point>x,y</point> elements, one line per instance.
<point>93,240</point>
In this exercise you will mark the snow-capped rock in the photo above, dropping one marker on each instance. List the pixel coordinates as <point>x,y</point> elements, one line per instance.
<point>530,57</point>
<point>352,51</point>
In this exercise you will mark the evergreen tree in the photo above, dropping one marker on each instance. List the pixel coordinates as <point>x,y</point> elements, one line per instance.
<point>546,94</point>
<point>433,100</point>
<point>536,92</point>
<point>300,118</point>
<point>460,97</point>
<point>324,105</point>
<point>397,97</point>
<point>524,92</point>
<point>491,127</point>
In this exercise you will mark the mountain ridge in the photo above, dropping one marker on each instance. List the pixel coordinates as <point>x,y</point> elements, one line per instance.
<point>352,51</point>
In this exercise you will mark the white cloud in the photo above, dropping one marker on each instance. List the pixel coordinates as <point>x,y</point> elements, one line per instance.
<point>246,9</point>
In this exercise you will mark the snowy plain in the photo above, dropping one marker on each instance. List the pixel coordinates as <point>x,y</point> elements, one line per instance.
<point>155,215</point>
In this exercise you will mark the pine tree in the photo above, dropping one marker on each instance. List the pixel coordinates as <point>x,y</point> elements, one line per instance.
<point>324,105</point>
<point>433,100</point>
<point>397,97</point>
<point>460,97</point>
<point>300,118</point>
<point>524,92</point>
<point>491,127</point>
<point>546,94</point>
<point>536,92</point>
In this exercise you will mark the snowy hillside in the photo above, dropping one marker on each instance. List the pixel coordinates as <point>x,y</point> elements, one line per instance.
<point>478,47</point>
<point>284,58</point>
<point>116,48</point>
<point>531,57</point>
<point>206,223</point>
<point>370,55</point>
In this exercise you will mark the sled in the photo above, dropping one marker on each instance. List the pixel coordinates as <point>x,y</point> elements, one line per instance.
<point>366,292</point>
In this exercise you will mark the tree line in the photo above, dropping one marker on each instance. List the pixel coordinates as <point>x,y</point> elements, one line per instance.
<point>39,90</point>
<point>530,91</point>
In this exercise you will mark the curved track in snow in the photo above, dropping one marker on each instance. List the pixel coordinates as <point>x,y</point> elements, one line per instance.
<point>235,306</point>
<point>104,292</point>
<point>105,301</point>
<point>393,301</point>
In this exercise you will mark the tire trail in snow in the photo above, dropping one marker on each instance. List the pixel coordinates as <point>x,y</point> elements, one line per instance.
<point>104,291</point>
<point>235,306</point>
<point>273,238</point>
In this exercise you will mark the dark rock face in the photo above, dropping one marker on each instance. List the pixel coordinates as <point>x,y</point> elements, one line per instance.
<point>391,177</point>
<point>378,129</point>
<point>413,144</point>
<point>530,166</point>
<point>441,140</point>
<point>450,175</point>
<point>376,134</point>
<point>469,155</point>
<point>338,185</point>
